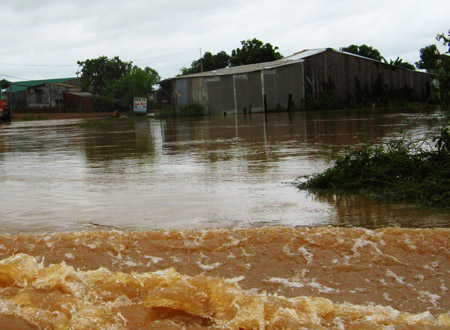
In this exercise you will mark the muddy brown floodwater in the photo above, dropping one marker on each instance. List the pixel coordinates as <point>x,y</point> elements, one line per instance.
<point>260,278</point>
<point>197,224</point>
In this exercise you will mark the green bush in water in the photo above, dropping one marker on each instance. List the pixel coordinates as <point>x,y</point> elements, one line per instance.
<point>192,110</point>
<point>402,171</point>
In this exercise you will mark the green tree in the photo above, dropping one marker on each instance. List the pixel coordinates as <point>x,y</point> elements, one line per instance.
<point>97,74</point>
<point>4,83</point>
<point>399,63</point>
<point>113,81</point>
<point>136,83</point>
<point>429,58</point>
<point>443,72</point>
<point>254,51</point>
<point>364,50</point>
<point>208,62</point>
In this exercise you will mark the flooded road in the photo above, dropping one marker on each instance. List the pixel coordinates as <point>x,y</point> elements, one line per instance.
<point>213,172</point>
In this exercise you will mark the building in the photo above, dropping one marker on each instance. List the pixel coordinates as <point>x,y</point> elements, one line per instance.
<point>50,95</point>
<point>254,87</point>
<point>350,78</point>
<point>308,79</point>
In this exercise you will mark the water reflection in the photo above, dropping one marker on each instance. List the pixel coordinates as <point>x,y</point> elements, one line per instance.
<point>361,211</point>
<point>188,173</point>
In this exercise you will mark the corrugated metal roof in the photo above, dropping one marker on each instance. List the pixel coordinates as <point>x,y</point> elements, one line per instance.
<point>242,69</point>
<point>296,57</point>
<point>18,86</point>
<point>82,94</point>
<point>305,53</point>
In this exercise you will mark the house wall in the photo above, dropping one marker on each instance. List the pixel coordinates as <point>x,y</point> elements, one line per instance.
<point>243,92</point>
<point>77,103</point>
<point>342,73</point>
<point>282,83</point>
<point>45,96</point>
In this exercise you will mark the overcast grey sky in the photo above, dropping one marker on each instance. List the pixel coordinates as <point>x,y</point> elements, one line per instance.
<point>45,39</point>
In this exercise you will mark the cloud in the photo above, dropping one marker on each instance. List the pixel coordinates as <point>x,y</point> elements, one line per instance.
<point>170,34</point>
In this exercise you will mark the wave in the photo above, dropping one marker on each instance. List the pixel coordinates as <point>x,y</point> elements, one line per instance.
<point>60,297</point>
<point>258,278</point>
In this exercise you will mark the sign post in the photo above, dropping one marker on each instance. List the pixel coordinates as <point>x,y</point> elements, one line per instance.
<point>140,105</point>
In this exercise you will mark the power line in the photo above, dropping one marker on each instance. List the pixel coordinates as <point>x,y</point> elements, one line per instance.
<point>167,55</point>
<point>5,75</point>
<point>73,65</point>
<point>38,65</point>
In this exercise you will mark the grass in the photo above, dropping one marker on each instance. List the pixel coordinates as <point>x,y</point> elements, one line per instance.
<point>188,110</point>
<point>33,117</point>
<point>400,171</point>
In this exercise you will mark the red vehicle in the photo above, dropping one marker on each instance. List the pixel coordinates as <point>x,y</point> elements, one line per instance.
<point>5,114</point>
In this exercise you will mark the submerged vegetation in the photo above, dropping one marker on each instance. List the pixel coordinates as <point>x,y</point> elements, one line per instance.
<point>30,117</point>
<point>188,110</point>
<point>401,171</point>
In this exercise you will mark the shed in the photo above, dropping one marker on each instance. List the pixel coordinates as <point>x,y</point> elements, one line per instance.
<point>253,87</point>
<point>307,79</point>
<point>349,77</point>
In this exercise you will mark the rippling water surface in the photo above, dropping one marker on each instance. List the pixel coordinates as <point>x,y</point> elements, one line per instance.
<point>227,171</point>
<point>197,224</point>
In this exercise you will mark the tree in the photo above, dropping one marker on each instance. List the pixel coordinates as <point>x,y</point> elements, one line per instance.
<point>136,83</point>
<point>443,72</point>
<point>429,58</point>
<point>112,80</point>
<point>97,74</point>
<point>364,50</point>
<point>4,83</point>
<point>254,51</point>
<point>445,39</point>
<point>399,63</point>
<point>208,62</point>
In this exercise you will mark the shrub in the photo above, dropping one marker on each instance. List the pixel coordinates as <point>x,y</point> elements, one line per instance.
<point>402,170</point>
<point>192,110</point>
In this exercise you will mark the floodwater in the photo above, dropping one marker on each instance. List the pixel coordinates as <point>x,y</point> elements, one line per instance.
<point>189,173</point>
<point>197,224</point>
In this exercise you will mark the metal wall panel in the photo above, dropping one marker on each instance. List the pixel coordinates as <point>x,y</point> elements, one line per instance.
<point>241,92</point>
<point>182,92</point>
<point>255,92</point>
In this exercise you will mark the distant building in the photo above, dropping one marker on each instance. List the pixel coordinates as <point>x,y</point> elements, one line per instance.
<point>50,95</point>
<point>302,80</point>
<point>253,87</point>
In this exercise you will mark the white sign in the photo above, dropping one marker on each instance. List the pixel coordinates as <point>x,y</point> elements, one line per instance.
<point>140,105</point>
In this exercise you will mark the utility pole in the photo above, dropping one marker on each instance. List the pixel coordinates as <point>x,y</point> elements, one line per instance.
<point>201,61</point>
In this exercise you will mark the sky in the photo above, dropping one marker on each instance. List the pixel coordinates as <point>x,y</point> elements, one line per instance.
<point>44,39</point>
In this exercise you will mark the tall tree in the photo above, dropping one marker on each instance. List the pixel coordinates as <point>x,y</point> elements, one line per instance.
<point>254,51</point>
<point>112,80</point>
<point>364,50</point>
<point>429,58</point>
<point>208,62</point>
<point>136,83</point>
<point>443,72</point>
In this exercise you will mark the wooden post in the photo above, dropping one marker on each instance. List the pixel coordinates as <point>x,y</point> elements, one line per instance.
<point>289,106</point>
<point>265,103</point>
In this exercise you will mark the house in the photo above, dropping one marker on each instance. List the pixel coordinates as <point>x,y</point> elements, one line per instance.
<point>307,79</point>
<point>51,95</point>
